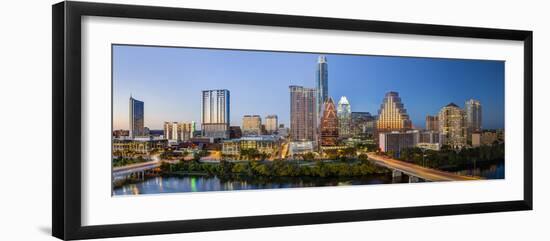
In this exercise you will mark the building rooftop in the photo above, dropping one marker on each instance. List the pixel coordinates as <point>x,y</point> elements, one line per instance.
<point>451,105</point>
<point>255,138</point>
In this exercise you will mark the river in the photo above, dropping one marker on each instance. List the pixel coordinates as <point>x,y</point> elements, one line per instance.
<point>197,183</point>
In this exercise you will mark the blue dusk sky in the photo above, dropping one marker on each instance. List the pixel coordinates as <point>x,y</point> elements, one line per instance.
<point>169,80</point>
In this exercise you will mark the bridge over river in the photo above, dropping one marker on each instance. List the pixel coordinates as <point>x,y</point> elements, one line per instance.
<point>138,170</point>
<point>416,172</point>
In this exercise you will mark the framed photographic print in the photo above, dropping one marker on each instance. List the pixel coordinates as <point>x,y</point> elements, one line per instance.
<point>170,120</point>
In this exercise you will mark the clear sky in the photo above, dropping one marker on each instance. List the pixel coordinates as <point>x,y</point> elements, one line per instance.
<point>169,81</point>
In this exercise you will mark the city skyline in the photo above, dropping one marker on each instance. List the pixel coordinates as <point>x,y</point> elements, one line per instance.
<point>259,83</point>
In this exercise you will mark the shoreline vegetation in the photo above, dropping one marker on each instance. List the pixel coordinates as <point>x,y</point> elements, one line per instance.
<point>447,159</point>
<point>278,168</point>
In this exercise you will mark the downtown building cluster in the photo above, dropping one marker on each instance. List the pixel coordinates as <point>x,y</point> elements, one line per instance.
<point>318,124</point>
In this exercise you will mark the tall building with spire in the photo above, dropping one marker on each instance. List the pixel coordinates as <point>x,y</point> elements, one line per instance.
<point>344,117</point>
<point>452,126</point>
<point>329,124</point>
<point>136,121</point>
<point>321,76</point>
<point>303,113</point>
<point>392,115</point>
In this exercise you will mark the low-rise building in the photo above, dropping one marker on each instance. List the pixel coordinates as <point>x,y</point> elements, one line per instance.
<point>300,147</point>
<point>139,145</point>
<point>429,146</point>
<point>264,144</point>
<point>488,138</point>
<point>476,139</point>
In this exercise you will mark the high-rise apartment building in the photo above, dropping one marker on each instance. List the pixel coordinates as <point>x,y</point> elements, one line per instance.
<point>321,83</point>
<point>392,115</point>
<point>432,123</point>
<point>344,117</point>
<point>452,126</point>
<point>473,115</point>
<point>303,113</point>
<point>215,113</point>
<point>137,127</point>
<point>329,124</point>
<point>178,131</point>
<point>252,125</point>
<point>271,124</point>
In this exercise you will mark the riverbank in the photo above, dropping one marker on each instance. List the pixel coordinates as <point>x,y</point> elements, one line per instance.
<point>191,183</point>
<point>178,182</point>
<point>276,168</point>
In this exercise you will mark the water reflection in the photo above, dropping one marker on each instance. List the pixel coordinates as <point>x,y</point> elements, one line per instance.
<point>176,184</point>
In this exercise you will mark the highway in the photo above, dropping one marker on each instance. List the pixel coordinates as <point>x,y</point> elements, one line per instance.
<point>425,173</point>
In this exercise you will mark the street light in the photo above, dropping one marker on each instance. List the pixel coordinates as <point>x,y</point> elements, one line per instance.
<point>423,155</point>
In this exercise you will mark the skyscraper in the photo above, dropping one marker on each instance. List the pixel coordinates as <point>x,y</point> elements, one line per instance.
<point>252,125</point>
<point>362,124</point>
<point>473,115</point>
<point>432,123</point>
<point>215,113</point>
<point>344,117</point>
<point>136,123</point>
<point>329,124</point>
<point>392,115</point>
<point>271,123</point>
<point>321,82</point>
<point>303,113</point>
<point>452,126</point>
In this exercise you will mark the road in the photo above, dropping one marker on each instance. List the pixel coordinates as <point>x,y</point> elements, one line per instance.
<point>427,174</point>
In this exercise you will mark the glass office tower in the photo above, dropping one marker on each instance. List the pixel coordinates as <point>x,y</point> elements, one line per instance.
<point>136,123</point>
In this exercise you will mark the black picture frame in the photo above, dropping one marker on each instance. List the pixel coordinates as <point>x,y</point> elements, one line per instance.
<point>66,127</point>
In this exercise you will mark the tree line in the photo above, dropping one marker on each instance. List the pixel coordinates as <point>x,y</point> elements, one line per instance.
<point>123,161</point>
<point>448,157</point>
<point>278,168</point>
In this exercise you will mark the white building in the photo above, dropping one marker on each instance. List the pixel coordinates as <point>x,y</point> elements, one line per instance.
<point>300,147</point>
<point>271,124</point>
<point>215,113</point>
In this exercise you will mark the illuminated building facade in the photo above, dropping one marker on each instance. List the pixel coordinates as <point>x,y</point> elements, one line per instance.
<point>344,117</point>
<point>264,144</point>
<point>329,124</point>
<point>392,115</point>
<point>432,123</point>
<point>303,113</point>
<point>452,126</point>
